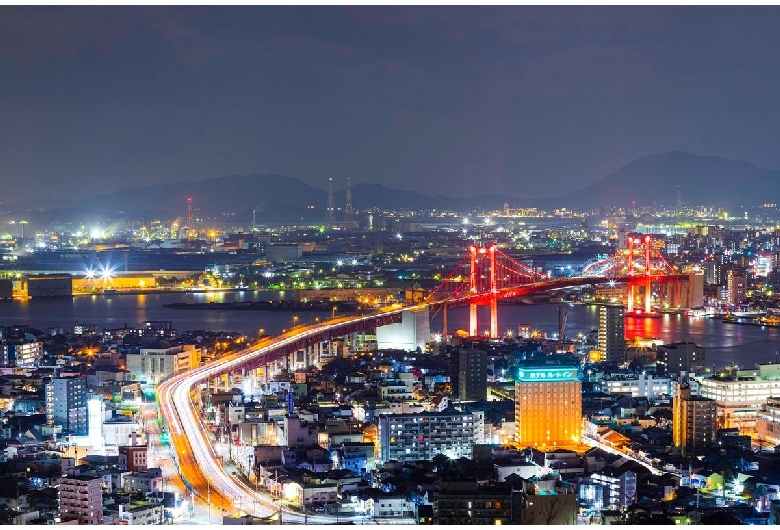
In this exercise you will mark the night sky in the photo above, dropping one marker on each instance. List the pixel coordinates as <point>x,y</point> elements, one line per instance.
<point>528,101</point>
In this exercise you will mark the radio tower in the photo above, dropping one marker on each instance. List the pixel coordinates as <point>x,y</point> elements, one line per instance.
<point>331,209</point>
<point>189,216</point>
<point>348,216</point>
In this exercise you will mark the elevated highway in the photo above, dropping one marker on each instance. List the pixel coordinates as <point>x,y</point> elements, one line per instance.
<point>201,468</point>
<point>198,464</point>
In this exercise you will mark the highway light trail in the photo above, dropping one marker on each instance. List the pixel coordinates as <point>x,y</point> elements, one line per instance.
<point>197,462</point>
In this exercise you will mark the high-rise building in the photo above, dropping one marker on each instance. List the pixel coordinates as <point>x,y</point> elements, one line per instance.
<point>472,374</point>
<point>548,406</point>
<point>66,404</point>
<point>736,285</point>
<point>679,357</point>
<point>464,502</point>
<point>712,272</point>
<point>612,333</point>
<point>421,436</point>
<point>81,497</point>
<point>693,420</point>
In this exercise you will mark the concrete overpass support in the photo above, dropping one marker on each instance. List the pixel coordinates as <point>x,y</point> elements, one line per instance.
<point>313,354</point>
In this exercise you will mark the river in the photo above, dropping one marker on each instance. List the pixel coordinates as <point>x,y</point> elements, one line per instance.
<point>724,343</point>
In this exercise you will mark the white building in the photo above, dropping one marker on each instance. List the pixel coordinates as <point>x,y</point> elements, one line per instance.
<point>394,506</point>
<point>121,430</point>
<point>768,423</point>
<point>414,331</point>
<point>619,486</point>
<point>396,390</point>
<point>741,396</point>
<point>144,481</point>
<point>152,364</point>
<point>643,385</point>
<point>150,513</point>
<point>411,437</point>
<point>21,354</point>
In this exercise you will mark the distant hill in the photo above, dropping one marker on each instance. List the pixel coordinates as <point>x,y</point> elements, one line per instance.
<point>654,179</point>
<point>231,199</point>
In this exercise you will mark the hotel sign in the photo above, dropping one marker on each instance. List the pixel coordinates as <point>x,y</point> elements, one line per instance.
<point>551,374</point>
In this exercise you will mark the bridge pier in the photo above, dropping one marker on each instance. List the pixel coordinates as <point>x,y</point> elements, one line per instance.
<point>672,292</point>
<point>676,293</point>
<point>493,317</point>
<point>648,297</point>
<point>444,335</point>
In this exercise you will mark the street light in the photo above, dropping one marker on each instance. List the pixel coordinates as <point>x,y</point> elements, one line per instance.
<point>333,312</point>
<point>294,320</point>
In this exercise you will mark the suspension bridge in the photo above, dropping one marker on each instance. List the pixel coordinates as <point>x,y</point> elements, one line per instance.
<point>484,275</point>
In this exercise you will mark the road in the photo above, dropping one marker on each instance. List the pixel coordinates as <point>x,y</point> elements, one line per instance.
<point>595,442</point>
<point>198,464</point>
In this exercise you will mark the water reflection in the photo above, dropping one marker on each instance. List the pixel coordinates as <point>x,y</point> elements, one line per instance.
<point>724,343</point>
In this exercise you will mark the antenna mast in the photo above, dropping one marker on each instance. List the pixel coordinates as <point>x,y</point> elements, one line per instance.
<point>331,208</point>
<point>348,214</point>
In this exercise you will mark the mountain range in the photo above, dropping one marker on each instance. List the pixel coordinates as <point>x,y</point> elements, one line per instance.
<point>651,180</point>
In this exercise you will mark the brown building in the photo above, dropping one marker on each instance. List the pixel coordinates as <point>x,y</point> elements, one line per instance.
<point>693,420</point>
<point>133,458</point>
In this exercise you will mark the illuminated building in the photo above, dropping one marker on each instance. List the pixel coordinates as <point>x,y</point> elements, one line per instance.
<point>712,272</point>
<point>524,331</point>
<point>768,422</point>
<point>612,333</point>
<point>157,361</point>
<point>619,486</point>
<point>693,420</point>
<point>465,503</point>
<point>66,404</point>
<point>735,284</point>
<point>472,374</point>
<point>81,497</point>
<point>414,331</point>
<point>606,292</point>
<point>21,354</point>
<point>133,457</point>
<point>680,357</point>
<point>740,397</point>
<point>643,385</point>
<point>421,436</point>
<point>548,406</point>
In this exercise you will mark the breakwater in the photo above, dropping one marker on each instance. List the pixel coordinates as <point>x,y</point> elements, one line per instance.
<point>269,305</point>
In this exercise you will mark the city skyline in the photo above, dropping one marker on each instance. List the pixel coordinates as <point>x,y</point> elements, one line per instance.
<point>488,100</point>
<point>389,265</point>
